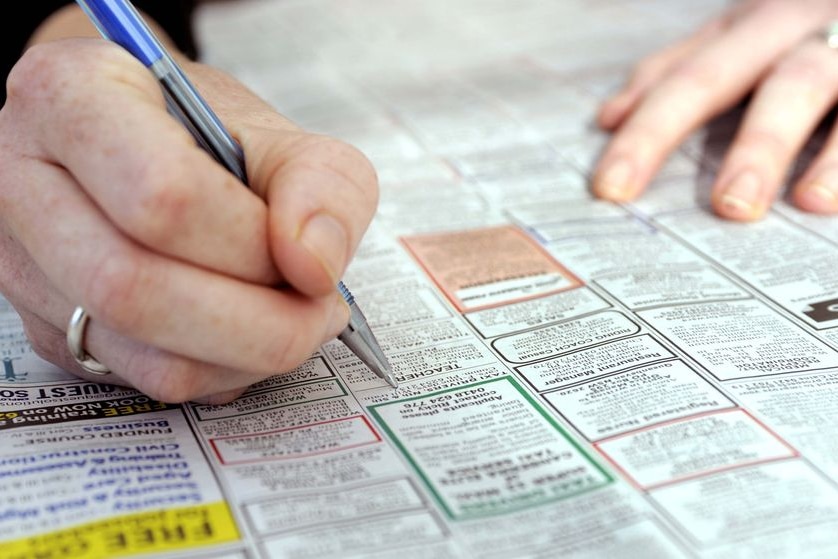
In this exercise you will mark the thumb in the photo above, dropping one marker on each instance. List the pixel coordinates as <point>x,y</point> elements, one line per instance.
<point>321,194</point>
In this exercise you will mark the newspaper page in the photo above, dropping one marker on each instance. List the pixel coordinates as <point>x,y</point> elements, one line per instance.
<point>577,378</point>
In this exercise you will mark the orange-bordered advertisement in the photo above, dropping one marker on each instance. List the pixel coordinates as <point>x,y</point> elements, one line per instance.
<point>490,267</point>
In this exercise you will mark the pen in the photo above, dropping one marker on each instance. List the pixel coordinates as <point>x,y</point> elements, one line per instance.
<point>120,22</point>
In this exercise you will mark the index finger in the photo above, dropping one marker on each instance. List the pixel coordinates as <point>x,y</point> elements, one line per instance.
<point>322,194</point>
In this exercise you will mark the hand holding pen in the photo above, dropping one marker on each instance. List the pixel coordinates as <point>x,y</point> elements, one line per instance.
<point>108,203</point>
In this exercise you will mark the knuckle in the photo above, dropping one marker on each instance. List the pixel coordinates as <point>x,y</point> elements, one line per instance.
<point>112,290</point>
<point>163,198</point>
<point>805,74</point>
<point>696,74</point>
<point>799,67</point>
<point>761,147</point>
<point>342,158</point>
<point>35,73</point>
<point>45,70</point>
<point>641,137</point>
<point>648,68</point>
<point>759,140</point>
<point>65,76</point>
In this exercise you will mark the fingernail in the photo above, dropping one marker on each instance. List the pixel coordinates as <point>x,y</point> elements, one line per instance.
<point>741,197</point>
<point>614,180</point>
<point>325,238</point>
<point>821,195</point>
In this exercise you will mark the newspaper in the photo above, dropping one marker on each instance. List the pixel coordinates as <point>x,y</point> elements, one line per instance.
<point>577,378</point>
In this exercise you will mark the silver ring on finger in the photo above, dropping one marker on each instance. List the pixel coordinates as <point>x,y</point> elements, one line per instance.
<point>75,342</point>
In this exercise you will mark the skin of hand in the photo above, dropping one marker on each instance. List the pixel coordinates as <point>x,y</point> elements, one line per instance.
<point>197,286</point>
<point>770,48</point>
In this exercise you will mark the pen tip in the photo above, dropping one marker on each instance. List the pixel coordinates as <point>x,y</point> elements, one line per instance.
<point>391,380</point>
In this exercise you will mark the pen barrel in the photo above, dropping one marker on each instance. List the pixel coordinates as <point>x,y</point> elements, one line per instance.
<point>193,111</point>
<point>118,21</point>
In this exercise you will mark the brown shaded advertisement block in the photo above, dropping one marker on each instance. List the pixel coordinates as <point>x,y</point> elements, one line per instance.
<point>484,268</point>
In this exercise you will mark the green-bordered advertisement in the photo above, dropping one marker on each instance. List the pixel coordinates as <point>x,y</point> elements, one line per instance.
<point>488,448</point>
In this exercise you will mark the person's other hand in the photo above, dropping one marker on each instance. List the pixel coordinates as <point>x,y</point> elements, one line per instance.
<point>196,286</point>
<point>770,47</point>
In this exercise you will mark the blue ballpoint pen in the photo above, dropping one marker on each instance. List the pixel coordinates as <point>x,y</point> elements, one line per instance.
<point>119,21</point>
